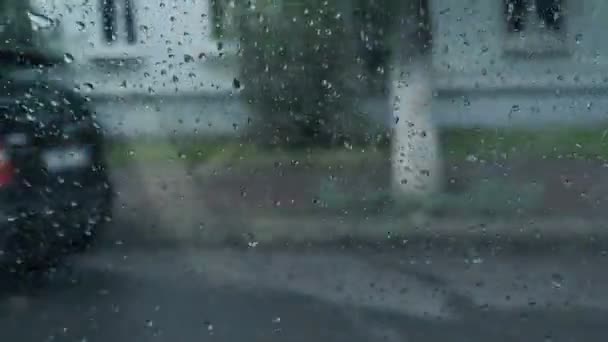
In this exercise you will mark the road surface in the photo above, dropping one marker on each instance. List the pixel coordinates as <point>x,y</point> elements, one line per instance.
<point>254,295</point>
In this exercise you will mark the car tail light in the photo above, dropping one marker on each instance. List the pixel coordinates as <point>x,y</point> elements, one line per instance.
<point>7,171</point>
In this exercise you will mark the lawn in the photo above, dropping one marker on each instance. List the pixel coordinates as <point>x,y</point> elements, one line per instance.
<point>457,144</point>
<point>557,143</point>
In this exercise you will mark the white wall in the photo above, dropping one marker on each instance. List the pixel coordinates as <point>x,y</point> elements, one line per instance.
<point>478,82</point>
<point>470,38</point>
<point>169,33</point>
<point>175,57</point>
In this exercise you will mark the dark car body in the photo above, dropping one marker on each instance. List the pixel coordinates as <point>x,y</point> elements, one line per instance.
<point>54,188</point>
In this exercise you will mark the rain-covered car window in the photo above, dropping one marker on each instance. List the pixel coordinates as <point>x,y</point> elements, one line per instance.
<point>303,170</point>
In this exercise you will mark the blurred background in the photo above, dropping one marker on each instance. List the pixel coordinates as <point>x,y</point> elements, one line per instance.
<point>292,105</point>
<point>340,122</point>
<point>287,110</point>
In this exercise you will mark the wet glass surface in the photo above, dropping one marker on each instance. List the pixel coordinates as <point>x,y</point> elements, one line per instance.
<point>293,170</point>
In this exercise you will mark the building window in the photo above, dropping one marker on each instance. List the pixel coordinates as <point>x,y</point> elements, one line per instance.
<point>224,17</point>
<point>108,16</point>
<point>539,26</point>
<point>523,14</point>
<point>130,22</point>
<point>118,20</point>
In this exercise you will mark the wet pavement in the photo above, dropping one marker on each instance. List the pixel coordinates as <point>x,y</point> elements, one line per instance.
<point>249,295</point>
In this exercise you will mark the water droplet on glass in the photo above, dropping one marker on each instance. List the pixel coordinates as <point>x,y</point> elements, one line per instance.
<point>557,280</point>
<point>81,26</point>
<point>68,58</point>
<point>477,260</point>
<point>471,158</point>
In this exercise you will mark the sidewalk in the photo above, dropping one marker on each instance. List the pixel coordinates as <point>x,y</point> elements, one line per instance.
<point>279,202</point>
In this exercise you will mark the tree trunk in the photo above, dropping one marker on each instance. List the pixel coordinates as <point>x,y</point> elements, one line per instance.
<point>416,160</point>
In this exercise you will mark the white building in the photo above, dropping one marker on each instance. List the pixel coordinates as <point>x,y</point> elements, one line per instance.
<point>153,66</point>
<point>519,62</point>
<point>499,63</point>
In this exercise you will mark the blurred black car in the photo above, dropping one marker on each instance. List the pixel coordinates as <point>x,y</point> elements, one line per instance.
<point>55,193</point>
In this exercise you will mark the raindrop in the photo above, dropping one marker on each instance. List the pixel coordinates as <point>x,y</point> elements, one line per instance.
<point>578,38</point>
<point>40,21</point>
<point>557,280</point>
<point>81,26</point>
<point>477,260</point>
<point>209,326</point>
<point>68,58</point>
<point>236,83</point>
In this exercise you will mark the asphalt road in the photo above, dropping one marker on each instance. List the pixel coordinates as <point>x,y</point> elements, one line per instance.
<point>185,295</point>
